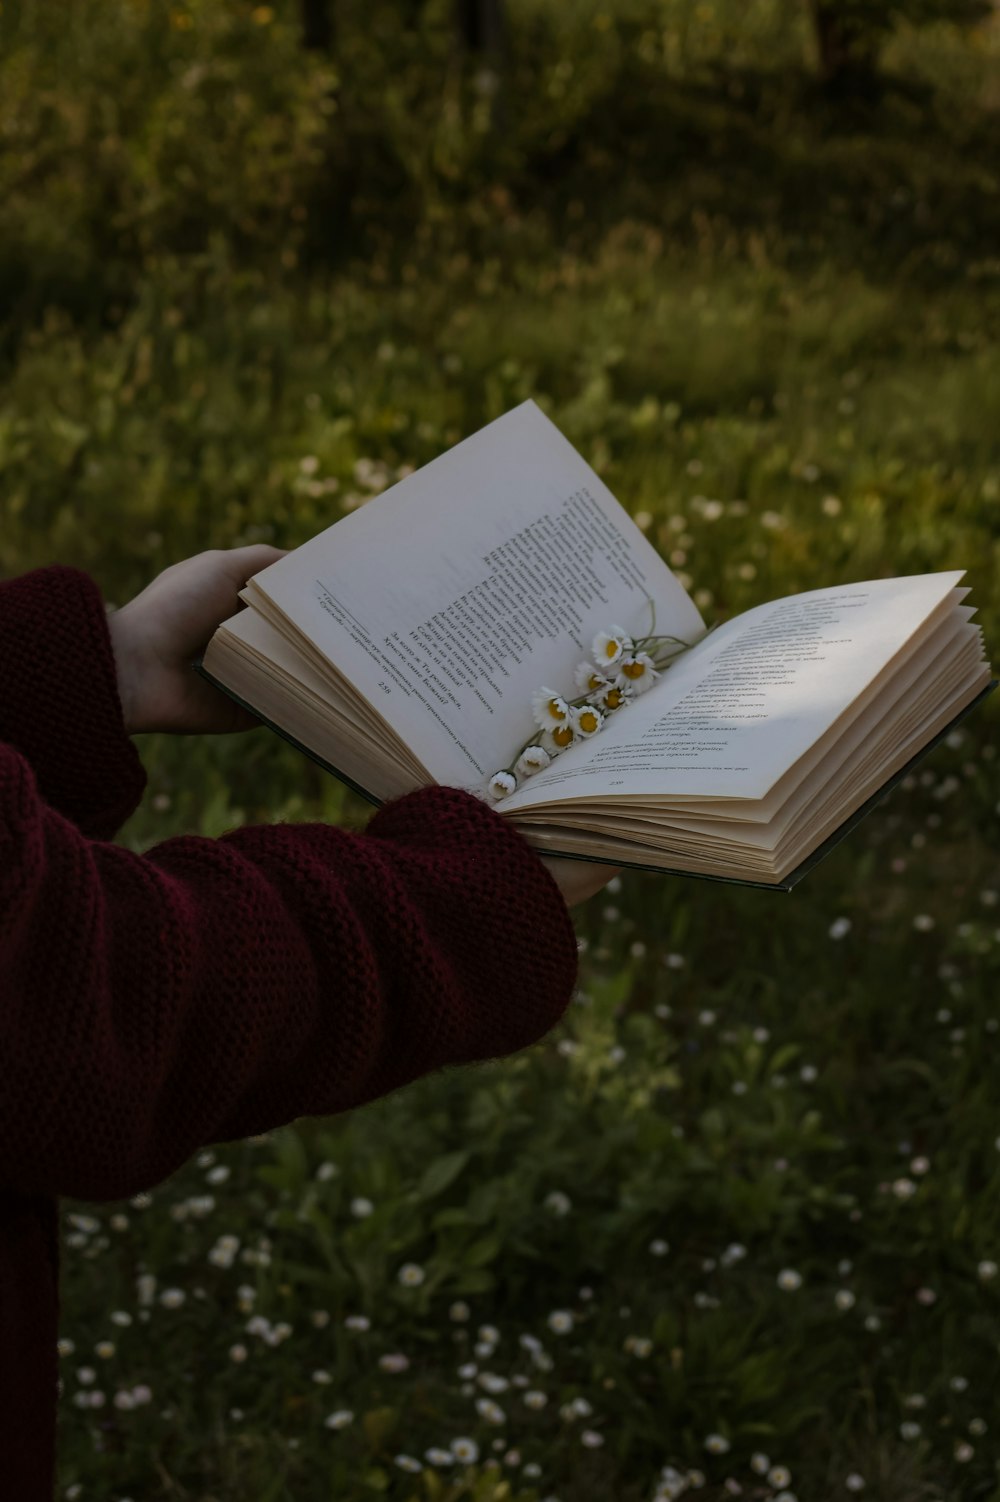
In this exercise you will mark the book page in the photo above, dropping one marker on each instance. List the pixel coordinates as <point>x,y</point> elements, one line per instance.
<point>448,600</point>
<point>734,715</point>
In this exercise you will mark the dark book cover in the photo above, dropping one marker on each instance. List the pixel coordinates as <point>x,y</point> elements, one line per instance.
<point>785,885</point>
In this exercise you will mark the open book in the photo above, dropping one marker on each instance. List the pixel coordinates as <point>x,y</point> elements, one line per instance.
<point>403,645</point>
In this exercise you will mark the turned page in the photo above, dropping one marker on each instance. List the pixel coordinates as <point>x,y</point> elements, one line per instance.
<point>450,598</point>
<point>735,714</point>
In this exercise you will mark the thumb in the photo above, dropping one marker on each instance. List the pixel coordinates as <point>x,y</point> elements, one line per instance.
<point>242,563</point>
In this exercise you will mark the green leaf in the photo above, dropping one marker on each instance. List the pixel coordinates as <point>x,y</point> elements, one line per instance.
<point>378,1425</point>
<point>482,1251</point>
<point>441,1173</point>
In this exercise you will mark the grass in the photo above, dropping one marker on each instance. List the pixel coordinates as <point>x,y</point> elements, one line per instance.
<point>789,312</point>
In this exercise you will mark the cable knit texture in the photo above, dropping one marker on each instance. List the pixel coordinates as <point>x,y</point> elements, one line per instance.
<point>210,989</point>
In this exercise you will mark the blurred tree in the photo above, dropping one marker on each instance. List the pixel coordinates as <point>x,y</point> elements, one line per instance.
<point>482,35</point>
<point>850,33</point>
<point>317,24</point>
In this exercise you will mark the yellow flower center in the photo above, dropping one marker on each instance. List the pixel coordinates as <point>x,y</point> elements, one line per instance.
<point>563,736</point>
<point>594,682</point>
<point>555,711</point>
<point>634,669</point>
<point>614,698</point>
<point>611,649</point>
<point>588,721</point>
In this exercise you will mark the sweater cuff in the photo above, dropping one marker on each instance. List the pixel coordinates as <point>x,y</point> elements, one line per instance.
<point>60,706</point>
<point>528,929</point>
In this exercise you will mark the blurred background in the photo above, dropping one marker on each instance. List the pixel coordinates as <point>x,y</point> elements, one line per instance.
<point>733,1229</point>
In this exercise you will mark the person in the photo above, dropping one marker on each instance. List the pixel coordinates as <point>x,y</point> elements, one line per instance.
<point>211,989</point>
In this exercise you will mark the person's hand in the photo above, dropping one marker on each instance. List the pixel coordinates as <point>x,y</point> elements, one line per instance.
<point>578,880</point>
<point>156,635</point>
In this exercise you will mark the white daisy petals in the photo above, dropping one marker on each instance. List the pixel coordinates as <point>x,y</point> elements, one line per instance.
<point>610,646</point>
<point>549,708</point>
<point>501,784</point>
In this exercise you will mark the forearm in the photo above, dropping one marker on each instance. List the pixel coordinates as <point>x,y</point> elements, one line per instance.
<point>212,989</point>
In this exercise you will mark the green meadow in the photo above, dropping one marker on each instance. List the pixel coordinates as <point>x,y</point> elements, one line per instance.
<point>733,1227</point>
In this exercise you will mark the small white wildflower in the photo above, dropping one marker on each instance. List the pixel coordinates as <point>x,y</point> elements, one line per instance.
<point>840,927</point>
<point>779,1475</point>
<point>588,679</point>
<point>407,1463</point>
<point>238,1353</point>
<point>459,1311</point>
<point>964,1452</point>
<point>558,1203</point>
<point>789,1280</point>
<point>987,1271</point>
<point>490,1411</point>
<point>760,1463</point>
<point>923,923</point>
<point>637,672</point>
<point>531,760</point>
<point>411,1275</point>
<point>322,1377</point>
<point>357,1322</point>
<point>561,1321</point>
<point>340,1419</point>
<point>959,1384</point>
<point>610,646</point>
<point>492,1382</point>
<point>394,1362</point>
<point>904,1189</point>
<point>591,1439</point>
<point>910,1430</point>
<point>437,1456</point>
<point>535,1399</point>
<point>501,785</point>
<point>549,709</point>
<point>327,1171</point>
<point>659,1248</point>
<point>172,1298</point>
<point>465,1450</point>
<point>854,1482</point>
<point>844,1299</point>
<point>360,1207</point>
<point>717,1444</point>
<point>586,720</point>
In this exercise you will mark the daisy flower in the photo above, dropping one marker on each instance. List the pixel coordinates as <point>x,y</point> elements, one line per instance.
<point>589,679</point>
<point>612,697</point>
<point>549,708</point>
<point>532,759</point>
<point>637,671</point>
<point>501,783</point>
<point>609,646</point>
<point>587,720</point>
<point>558,739</point>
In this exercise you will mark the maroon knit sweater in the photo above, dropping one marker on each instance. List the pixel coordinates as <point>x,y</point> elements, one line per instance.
<point>210,989</point>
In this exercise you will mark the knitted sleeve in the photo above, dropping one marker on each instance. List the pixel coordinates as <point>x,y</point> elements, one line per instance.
<point>211,989</point>
<point>59,703</point>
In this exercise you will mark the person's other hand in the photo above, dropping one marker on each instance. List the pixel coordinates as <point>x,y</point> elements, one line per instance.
<point>156,635</point>
<point>578,880</point>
